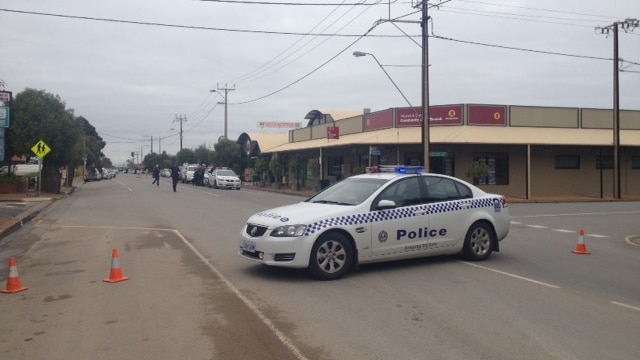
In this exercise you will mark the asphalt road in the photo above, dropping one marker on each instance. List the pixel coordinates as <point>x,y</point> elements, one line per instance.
<point>189,293</point>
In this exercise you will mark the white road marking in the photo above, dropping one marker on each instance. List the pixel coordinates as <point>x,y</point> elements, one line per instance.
<point>564,231</point>
<point>512,275</point>
<point>580,214</point>
<point>626,305</point>
<point>283,338</point>
<point>537,226</point>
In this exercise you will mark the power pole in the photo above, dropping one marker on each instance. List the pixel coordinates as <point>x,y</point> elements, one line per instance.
<point>226,91</point>
<point>180,119</point>
<point>152,144</point>
<point>627,25</point>
<point>425,85</point>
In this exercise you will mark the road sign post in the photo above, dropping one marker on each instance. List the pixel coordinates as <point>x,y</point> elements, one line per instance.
<point>41,149</point>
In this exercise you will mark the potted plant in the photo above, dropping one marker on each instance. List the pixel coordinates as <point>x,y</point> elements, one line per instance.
<point>11,184</point>
<point>261,168</point>
<point>274,167</point>
<point>294,167</point>
<point>478,172</point>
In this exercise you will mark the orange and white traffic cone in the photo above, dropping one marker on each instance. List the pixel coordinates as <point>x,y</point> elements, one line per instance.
<point>13,281</point>
<point>581,248</point>
<point>116,272</point>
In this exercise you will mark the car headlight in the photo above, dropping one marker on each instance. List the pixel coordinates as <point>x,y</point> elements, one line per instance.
<point>289,231</point>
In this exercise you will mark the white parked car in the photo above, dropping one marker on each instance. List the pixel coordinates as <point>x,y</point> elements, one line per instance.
<point>375,217</point>
<point>188,171</point>
<point>224,178</point>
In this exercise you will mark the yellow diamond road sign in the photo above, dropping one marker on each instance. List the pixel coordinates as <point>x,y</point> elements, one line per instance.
<point>41,149</point>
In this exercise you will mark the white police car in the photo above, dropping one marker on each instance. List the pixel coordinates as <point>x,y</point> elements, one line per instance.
<point>224,178</point>
<point>379,216</point>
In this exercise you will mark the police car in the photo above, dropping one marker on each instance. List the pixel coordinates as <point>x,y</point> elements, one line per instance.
<point>224,178</point>
<point>387,214</point>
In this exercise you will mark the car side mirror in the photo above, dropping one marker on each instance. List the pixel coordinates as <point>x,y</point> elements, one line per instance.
<point>386,204</point>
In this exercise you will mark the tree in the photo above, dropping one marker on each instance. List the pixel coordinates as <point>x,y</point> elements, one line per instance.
<point>204,155</point>
<point>227,153</point>
<point>43,116</point>
<point>187,156</point>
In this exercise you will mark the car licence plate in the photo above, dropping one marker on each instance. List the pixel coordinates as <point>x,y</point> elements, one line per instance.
<point>249,246</point>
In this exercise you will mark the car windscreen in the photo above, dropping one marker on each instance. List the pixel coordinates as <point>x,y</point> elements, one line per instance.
<point>225,173</point>
<point>351,191</point>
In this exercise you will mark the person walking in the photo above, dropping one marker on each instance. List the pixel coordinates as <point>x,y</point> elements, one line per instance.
<point>156,175</point>
<point>175,176</point>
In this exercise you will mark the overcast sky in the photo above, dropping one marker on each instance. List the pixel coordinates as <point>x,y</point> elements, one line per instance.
<point>131,66</point>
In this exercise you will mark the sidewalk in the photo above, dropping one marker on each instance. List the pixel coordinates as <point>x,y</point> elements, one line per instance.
<point>19,208</point>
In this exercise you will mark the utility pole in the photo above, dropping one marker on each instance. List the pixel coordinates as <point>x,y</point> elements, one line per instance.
<point>627,25</point>
<point>152,144</point>
<point>226,91</point>
<point>425,84</point>
<point>180,119</point>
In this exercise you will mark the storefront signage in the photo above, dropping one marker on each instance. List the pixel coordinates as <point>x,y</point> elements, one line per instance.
<point>378,120</point>
<point>487,115</point>
<point>439,115</point>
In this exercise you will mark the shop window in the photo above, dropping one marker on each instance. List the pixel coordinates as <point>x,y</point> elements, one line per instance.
<point>498,164</point>
<point>604,162</point>
<point>567,162</point>
<point>635,162</point>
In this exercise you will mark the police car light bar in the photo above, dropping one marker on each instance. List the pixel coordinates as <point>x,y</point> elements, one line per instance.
<point>395,169</point>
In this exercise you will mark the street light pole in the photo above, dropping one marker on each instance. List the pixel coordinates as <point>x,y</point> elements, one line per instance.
<point>360,54</point>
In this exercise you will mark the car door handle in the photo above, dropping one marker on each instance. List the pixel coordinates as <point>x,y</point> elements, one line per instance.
<point>465,206</point>
<point>419,212</point>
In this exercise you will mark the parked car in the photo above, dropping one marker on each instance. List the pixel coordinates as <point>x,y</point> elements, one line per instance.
<point>224,178</point>
<point>187,172</point>
<point>379,216</point>
<point>92,174</point>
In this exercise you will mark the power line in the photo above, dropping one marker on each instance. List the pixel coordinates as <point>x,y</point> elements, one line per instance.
<point>190,27</point>
<point>245,2</point>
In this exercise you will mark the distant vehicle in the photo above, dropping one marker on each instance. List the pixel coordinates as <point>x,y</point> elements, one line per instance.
<point>21,169</point>
<point>187,172</point>
<point>224,178</point>
<point>92,174</point>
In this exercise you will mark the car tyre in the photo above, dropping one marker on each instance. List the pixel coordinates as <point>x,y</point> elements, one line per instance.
<point>479,242</point>
<point>331,257</point>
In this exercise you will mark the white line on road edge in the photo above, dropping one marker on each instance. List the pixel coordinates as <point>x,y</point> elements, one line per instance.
<point>283,338</point>
<point>121,183</point>
<point>513,275</point>
<point>578,214</point>
<point>626,305</point>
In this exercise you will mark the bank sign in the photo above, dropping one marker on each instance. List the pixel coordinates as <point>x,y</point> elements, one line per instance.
<point>438,115</point>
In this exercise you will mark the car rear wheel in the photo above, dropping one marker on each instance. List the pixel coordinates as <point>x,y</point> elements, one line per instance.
<point>479,242</point>
<point>331,257</point>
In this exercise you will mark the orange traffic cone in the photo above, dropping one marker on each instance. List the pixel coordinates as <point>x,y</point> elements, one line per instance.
<point>116,272</point>
<point>13,281</point>
<point>581,248</point>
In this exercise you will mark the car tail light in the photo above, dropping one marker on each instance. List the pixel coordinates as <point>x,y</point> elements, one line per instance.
<point>505,203</point>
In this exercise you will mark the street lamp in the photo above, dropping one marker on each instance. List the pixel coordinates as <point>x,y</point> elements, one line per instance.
<point>360,54</point>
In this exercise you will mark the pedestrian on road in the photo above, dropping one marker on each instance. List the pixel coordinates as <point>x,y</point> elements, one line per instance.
<point>156,176</point>
<point>175,175</point>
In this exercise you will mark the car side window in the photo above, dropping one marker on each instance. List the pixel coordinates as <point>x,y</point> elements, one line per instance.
<point>405,192</point>
<point>441,189</point>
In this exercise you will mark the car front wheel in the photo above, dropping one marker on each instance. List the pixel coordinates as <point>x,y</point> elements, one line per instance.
<point>331,257</point>
<point>479,242</point>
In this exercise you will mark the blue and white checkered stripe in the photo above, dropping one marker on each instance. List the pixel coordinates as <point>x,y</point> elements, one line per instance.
<point>399,213</point>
